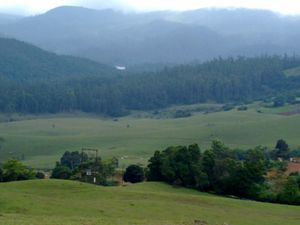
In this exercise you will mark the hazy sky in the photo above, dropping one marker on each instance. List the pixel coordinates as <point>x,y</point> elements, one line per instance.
<point>39,6</point>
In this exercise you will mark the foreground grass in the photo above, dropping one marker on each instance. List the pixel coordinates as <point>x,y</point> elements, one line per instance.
<point>52,202</point>
<point>132,140</point>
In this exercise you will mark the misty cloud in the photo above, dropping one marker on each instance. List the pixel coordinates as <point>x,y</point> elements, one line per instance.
<point>41,6</point>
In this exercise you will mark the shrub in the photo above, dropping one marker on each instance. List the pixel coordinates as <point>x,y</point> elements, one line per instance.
<point>134,174</point>
<point>40,175</point>
<point>242,108</point>
<point>182,114</point>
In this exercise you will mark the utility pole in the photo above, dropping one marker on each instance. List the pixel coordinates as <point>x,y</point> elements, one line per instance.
<point>91,172</point>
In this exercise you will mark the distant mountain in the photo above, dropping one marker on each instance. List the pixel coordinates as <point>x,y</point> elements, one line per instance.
<point>7,18</point>
<point>21,61</point>
<point>166,37</point>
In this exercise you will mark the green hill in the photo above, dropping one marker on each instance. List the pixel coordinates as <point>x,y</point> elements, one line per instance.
<point>53,202</point>
<point>22,61</point>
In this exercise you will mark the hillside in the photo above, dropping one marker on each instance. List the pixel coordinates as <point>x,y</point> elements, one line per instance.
<point>114,37</point>
<point>22,61</point>
<point>64,202</point>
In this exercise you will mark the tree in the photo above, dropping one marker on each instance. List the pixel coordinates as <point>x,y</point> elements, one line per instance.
<point>61,172</point>
<point>154,167</point>
<point>134,174</point>
<point>73,159</point>
<point>282,149</point>
<point>14,170</point>
<point>291,193</point>
<point>109,167</point>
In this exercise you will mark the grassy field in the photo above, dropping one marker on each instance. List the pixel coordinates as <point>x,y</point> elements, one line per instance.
<point>133,139</point>
<point>51,202</point>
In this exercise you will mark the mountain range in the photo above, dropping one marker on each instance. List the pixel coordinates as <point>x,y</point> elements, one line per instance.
<point>119,38</point>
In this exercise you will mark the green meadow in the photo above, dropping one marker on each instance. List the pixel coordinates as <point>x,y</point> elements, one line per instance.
<point>48,202</point>
<point>133,139</point>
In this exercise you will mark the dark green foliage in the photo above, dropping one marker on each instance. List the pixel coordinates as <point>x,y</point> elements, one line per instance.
<point>182,114</point>
<point>40,175</point>
<point>1,175</point>
<point>73,159</point>
<point>13,170</point>
<point>282,149</point>
<point>155,164</point>
<point>291,192</point>
<point>222,171</point>
<point>134,174</point>
<point>61,172</point>
<point>178,165</point>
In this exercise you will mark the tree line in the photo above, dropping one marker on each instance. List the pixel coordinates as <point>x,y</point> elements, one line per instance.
<point>231,80</point>
<point>255,174</point>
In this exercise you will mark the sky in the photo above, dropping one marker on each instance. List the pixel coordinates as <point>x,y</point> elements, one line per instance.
<point>33,7</point>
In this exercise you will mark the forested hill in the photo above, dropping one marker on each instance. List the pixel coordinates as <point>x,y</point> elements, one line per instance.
<point>22,61</point>
<point>76,87</point>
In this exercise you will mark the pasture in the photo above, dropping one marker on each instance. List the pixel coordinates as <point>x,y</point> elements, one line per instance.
<point>133,139</point>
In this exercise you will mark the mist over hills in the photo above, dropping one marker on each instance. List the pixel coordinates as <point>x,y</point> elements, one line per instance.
<point>7,18</point>
<point>114,37</point>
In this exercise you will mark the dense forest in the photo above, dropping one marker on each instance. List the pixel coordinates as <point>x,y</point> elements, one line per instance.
<point>34,81</point>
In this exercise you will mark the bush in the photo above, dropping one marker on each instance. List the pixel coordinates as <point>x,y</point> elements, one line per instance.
<point>134,174</point>
<point>242,108</point>
<point>40,175</point>
<point>228,107</point>
<point>182,114</point>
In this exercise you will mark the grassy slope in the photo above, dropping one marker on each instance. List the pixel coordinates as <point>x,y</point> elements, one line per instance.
<point>51,202</point>
<point>42,144</point>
